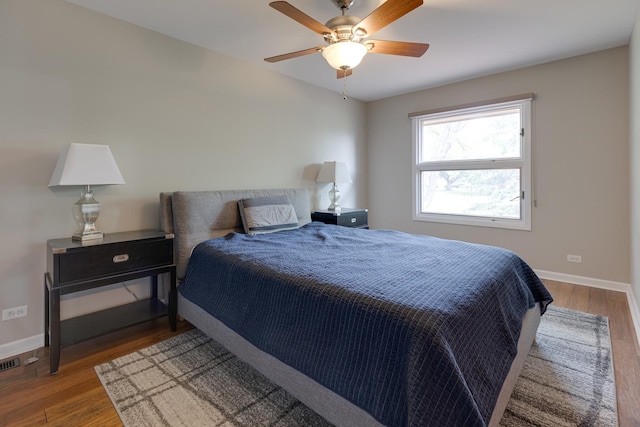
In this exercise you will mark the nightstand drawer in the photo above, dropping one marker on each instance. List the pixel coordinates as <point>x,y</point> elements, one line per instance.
<point>352,219</point>
<point>109,259</point>
<point>357,218</point>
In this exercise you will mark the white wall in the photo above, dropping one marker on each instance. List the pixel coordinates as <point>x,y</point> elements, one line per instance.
<point>581,151</point>
<point>177,117</point>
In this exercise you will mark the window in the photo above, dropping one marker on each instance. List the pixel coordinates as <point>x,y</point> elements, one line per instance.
<point>472,165</point>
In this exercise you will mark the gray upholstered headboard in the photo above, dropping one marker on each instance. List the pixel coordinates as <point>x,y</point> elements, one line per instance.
<point>195,216</point>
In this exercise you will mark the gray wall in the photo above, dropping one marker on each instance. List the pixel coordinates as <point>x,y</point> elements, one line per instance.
<point>177,117</point>
<point>634,67</point>
<point>581,150</point>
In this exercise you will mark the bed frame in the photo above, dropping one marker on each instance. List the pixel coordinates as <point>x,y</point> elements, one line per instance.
<point>195,216</point>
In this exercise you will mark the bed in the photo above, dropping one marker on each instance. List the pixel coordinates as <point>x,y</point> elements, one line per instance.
<point>359,342</point>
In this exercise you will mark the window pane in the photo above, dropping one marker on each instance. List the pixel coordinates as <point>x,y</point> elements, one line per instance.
<point>487,193</point>
<point>479,136</point>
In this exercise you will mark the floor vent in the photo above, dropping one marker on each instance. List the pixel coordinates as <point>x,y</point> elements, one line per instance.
<point>9,364</point>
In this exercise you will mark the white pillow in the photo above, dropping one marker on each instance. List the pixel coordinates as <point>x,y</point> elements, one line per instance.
<point>267,214</point>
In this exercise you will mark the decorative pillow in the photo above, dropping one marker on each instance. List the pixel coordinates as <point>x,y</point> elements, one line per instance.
<point>267,214</point>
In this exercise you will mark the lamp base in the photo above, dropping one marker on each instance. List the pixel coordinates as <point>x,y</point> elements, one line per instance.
<point>86,211</point>
<point>334,198</point>
<point>88,236</point>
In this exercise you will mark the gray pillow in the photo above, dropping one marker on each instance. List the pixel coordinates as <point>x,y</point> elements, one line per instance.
<point>267,214</point>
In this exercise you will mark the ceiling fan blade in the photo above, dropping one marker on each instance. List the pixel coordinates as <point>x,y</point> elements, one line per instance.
<point>385,14</point>
<point>397,48</point>
<point>301,17</point>
<point>291,55</point>
<point>341,74</point>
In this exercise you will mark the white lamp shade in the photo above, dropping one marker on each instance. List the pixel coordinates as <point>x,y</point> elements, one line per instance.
<point>335,172</point>
<point>86,164</point>
<point>344,55</point>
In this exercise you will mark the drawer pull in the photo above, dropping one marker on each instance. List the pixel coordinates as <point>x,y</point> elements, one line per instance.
<point>353,220</point>
<point>121,258</point>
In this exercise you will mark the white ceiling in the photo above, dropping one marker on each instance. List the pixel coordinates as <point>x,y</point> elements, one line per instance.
<point>468,38</point>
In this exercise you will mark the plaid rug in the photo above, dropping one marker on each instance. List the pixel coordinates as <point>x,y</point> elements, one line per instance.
<point>191,380</point>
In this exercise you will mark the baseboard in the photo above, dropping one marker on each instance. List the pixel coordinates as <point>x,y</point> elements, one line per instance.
<point>21,346</point>
<point>601,284</point>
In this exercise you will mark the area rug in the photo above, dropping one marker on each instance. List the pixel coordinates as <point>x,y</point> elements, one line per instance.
<point>567,379</point>
<point>190,380</point>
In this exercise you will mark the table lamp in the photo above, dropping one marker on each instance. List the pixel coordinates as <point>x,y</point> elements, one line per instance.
<point>86,165</point>
<point>334,172</point>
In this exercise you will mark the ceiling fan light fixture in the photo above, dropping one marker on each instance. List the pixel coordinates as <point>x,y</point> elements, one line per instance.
<point>344,55</point>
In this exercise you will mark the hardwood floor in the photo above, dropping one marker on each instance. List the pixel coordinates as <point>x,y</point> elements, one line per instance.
<point>29,396</point>
<point>624,343</point>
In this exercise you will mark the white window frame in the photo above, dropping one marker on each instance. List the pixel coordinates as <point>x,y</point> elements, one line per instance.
<point>523,163</point>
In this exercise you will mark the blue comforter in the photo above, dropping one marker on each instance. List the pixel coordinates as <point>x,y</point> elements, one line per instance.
<point>415,330</point>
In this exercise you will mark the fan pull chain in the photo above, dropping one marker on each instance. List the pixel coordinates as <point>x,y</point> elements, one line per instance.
<point>344,86</point>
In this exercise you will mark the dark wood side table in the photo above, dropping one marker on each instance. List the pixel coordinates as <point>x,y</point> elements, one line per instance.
<point>347,217</point>
<point>74,266</point>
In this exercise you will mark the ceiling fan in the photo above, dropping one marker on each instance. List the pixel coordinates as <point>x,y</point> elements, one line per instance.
<point>347,36</point>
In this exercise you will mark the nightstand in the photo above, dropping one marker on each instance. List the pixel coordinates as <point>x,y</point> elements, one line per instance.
<point>357,218</point>
<point>74,266</point>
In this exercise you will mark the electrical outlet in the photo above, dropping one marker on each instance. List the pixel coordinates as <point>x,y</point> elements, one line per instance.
<point>14,313</point>
<point>574,258</point>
